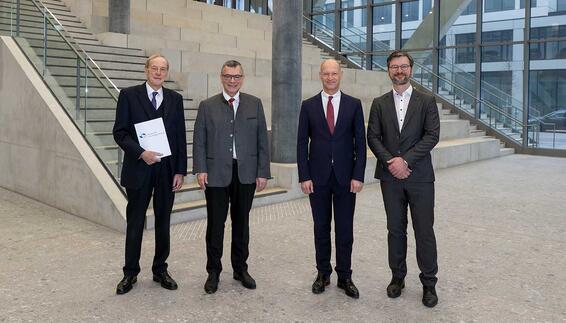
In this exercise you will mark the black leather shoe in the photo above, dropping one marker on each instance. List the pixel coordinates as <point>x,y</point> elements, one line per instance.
<point>429,296</point>
<point>395,287</point>
<point>348,286</point>
<point>211,284</point>
<point>247,280</point>
<point>166,281</point>
<point>126,284</point>
<point>320,283</point>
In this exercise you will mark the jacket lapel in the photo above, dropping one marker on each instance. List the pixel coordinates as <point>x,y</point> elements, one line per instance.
<point>320,109</point>
<point>166,104</point>
<point>391,111</point>
<point>413,105</point>
<point>344,102</point>
<point>144,101</point>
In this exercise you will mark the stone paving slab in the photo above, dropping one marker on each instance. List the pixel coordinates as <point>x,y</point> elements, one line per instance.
<point>501,232</point>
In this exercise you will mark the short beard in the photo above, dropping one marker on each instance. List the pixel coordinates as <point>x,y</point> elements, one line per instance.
<point>400,82</point>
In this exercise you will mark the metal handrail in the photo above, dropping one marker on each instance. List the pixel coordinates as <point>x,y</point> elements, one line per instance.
<point>75,50</point>
<point>329,32</point>
<point>471,94</point>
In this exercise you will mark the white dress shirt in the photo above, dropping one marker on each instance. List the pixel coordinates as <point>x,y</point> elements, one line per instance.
<point>158,97</point>
<point>401,104</point>
<point>235,104</point>
<point>335,103</point>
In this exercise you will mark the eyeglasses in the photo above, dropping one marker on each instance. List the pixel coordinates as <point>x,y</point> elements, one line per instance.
<point>228,77</point>
<point>403,67</point>
<point>156,69</point>
<point>331,74</point>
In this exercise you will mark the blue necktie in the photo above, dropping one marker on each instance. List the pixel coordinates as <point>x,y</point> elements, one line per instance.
<point>153,100</point>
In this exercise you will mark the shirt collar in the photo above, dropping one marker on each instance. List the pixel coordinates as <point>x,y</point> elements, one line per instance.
<point>227,97</point>
<point>334,96</point>
<point>407,92</point>
<point>150,90</point>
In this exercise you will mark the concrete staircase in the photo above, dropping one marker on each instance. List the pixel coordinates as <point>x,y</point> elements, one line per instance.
<point>124,66</point>
<point>197,39</point>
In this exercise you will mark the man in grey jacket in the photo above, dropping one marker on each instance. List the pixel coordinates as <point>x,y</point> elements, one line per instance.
<point>231,161</point>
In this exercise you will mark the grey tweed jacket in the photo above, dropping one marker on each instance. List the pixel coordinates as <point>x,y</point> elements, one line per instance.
<point>215,127</point>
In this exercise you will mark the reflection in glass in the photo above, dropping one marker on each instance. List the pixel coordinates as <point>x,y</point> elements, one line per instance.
<point>323,5</point>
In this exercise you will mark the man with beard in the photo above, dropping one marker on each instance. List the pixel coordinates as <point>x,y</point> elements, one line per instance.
<point>403,128</point>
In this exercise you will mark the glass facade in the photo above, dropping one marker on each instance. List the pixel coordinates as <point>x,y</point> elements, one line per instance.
<point>482,66</point>
<point>501,61</point>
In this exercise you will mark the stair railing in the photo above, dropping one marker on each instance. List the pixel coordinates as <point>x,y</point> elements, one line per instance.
<point>56,55</point>
<point>504,113</point>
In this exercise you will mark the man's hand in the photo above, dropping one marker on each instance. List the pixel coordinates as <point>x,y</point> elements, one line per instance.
<point>151,157</point>
<point>178,180</point>
<point>307,187</point>
<point>398,168</point>
<point>202,179</point>
<point>356,186</point>
<point>260,184</point>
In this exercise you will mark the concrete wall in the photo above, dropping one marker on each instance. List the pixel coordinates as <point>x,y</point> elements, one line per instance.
<point>197,38</point>
<point>43,155</point>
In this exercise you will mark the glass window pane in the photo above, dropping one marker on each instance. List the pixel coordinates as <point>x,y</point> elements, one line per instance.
<point>383,28</point>
<point>353,30</point>
<point>323,28</point>
<point>499,5</point>
<point>416,28</point>
<point>323,5</point>
<point>352,3</point>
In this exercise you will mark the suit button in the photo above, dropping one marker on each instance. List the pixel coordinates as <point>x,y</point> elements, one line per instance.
<point>230,149</point>
<point>231,121</point>
<point>231,135</point>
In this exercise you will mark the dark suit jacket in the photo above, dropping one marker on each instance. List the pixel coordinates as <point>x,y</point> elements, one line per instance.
<point>413,143</point>
<point>215,128</point>
<point>134,107</point>
<point>345,148</point>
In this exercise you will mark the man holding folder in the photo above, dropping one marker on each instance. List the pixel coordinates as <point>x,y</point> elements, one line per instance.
<point>146,172</point>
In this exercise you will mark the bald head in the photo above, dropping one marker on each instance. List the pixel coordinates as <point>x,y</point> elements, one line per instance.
<point>330,76</point>
<point>330,63</point>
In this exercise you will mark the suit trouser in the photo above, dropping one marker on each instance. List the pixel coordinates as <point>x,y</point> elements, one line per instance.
<point>239,197</point>
<point>419,197</point>
<point>325,197</point>
<point>159,182</point>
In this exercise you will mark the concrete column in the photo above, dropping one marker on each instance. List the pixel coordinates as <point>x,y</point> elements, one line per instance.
<point>286,79</point>
<point>119,16</point>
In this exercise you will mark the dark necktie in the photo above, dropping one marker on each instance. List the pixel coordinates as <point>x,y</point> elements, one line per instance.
<point>231,103</point>
<point>153,100</point>
<point>330,115</point>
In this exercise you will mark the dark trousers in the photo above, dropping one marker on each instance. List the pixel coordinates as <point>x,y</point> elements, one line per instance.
<point>325,197</point>
<point>419,197</point>
<point>160,183</point>
<point>239,197</point>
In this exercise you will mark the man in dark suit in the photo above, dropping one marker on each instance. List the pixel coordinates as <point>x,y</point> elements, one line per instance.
<point>231,160</point>
<point>331,170</point>
<point>144,172</point>
<point>403,128</point>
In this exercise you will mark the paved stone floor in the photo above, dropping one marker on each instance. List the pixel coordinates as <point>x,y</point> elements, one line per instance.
<point>501,231</point>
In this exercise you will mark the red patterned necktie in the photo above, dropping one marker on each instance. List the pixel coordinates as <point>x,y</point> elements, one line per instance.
<point>231,102</point>
<point>330,115</point>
